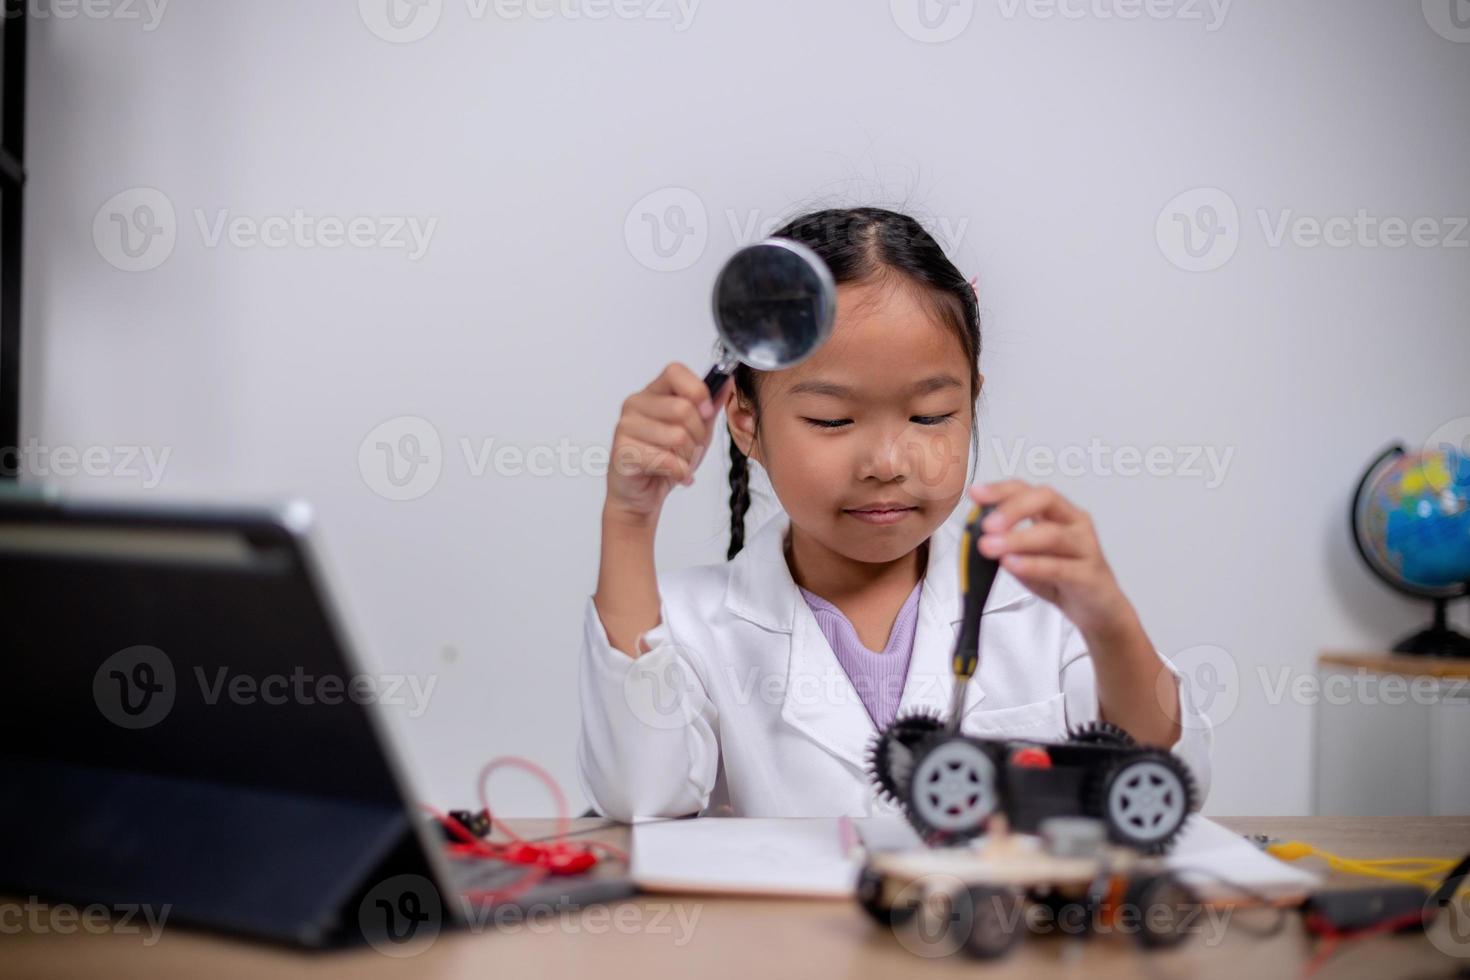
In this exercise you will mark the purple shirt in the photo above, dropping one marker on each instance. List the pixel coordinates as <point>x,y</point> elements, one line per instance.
<point>878,675</point>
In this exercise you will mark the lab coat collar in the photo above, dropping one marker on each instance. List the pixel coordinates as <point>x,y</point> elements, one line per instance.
<point>820,700</point>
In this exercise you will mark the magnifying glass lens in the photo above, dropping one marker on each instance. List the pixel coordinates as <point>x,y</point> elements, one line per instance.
<point>774,303</point>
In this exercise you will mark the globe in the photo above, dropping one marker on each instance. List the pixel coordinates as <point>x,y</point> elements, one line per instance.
<point>1411,525</point>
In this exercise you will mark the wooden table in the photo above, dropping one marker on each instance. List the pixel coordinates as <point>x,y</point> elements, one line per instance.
<point>750,939</point>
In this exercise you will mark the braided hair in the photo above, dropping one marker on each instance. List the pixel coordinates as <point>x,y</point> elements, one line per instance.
<point>858,244</point>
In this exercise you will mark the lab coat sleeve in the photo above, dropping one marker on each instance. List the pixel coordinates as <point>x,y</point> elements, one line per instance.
<point>1079,684</point>
<point>647,746</point>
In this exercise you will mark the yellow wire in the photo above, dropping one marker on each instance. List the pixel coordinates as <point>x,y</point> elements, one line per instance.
<point>1420,871</point>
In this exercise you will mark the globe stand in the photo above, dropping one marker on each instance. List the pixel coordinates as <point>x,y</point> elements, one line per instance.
<point>1439,640</point>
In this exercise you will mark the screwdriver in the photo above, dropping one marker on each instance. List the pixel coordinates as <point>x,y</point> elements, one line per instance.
<point>977,576</point>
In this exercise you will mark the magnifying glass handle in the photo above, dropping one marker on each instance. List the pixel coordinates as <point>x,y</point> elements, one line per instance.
<point>715,379</point>
<point>720,373</point>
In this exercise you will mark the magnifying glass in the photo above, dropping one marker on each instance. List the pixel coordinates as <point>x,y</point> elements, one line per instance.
<point>774,304</point>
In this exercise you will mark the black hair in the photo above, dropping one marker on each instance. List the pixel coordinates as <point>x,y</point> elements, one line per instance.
<point>859,244</point>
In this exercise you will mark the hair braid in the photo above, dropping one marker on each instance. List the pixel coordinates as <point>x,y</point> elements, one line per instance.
<point>739,498</point>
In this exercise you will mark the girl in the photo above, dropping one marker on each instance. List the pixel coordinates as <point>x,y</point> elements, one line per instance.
<point>755,686</point>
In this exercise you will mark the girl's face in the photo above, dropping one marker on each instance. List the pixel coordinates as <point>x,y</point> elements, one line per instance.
<point>867,441</point>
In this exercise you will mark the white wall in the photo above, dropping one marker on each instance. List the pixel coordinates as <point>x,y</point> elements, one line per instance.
<point>1053,144</point>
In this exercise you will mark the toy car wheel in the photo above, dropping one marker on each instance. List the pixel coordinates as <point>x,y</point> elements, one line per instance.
<point>870,897</point>
<point>1165,907</point>
<point>994,923</point>
<point>1100,733</point>
<point>953,789</point>
<point>1073,916</point>
<point>1144,800</point>
<point>891,755</point>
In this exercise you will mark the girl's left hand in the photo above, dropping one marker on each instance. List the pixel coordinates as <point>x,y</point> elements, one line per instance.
<point>1057,556</point>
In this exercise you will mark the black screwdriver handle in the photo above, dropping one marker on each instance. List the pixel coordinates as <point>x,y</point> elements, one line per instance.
<point>977,577</point>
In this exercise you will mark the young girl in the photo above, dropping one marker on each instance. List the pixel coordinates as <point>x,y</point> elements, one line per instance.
<point>754,687</point>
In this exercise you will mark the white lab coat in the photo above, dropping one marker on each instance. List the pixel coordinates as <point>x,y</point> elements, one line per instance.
<point>740,700</point>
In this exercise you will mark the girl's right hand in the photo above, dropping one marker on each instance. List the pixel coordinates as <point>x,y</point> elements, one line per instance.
<point>661,436</point>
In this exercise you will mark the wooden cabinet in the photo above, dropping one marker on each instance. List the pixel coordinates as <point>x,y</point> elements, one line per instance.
<point>1392,736</point>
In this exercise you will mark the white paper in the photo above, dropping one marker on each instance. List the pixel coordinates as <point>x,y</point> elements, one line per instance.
<point>887,833</point>
<point>749,855</point>
<point>803,856</point>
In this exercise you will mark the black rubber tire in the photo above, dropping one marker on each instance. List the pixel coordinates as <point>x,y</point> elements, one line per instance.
<point>1142,831</point>
<point>994,925</point>
<point>933,833</point>
<point>890,754</point>
<point>1073,916</point>
<point>869,894</point>
<point>1165,890</point>
<point>1101,733</point>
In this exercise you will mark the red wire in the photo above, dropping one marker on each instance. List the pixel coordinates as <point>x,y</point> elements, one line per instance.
<point>563,821</point>
<point>1331,937</point>
<point>471,845</point>
<point>562,825</point>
